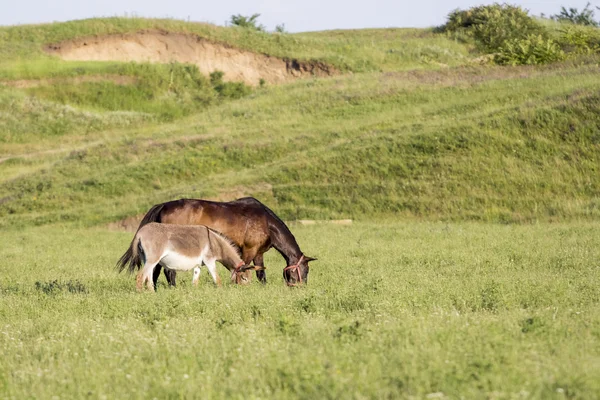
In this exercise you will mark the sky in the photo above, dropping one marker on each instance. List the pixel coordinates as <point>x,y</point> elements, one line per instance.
<point>298,16</point>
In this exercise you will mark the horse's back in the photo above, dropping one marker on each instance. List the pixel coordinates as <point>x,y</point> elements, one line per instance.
<point>243,220</point>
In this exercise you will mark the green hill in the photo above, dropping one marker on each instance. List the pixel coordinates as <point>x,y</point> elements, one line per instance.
<point>409,125</point>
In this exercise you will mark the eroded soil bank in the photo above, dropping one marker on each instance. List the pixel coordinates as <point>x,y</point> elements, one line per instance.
<point>166,47</point>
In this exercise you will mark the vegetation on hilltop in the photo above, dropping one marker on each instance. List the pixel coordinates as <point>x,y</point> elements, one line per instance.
<point>516,38</point>
<point>356,51</point>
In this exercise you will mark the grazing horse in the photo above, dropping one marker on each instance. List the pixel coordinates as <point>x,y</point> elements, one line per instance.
<point>247,222</point>
<point>181,248</point>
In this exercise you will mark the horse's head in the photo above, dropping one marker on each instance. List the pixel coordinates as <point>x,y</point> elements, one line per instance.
<point>297,273</point>
<point>242,274</point>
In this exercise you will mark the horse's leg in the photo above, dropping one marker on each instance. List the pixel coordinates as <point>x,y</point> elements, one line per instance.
<point>170,275</point>
<point>212,268</point>
<point>260,275</point>
<point>196,276</point>
<point>248,254</point>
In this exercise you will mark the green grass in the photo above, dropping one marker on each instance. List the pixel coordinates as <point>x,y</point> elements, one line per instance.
<point>392,310</point>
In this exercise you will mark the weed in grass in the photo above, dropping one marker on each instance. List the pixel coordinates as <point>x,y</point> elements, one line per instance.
<point>54,287</point>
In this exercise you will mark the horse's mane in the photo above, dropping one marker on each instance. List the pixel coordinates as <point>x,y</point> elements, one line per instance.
<point>278,220</point>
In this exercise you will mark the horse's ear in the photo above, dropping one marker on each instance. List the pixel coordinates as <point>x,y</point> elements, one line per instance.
<point>310,259</point>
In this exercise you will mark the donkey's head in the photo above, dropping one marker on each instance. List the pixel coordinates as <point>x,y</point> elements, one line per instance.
<point>297,273</point>
<point>242,274</point>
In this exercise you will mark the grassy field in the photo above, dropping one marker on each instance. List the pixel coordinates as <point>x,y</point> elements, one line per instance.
<point>392,310</point>
<point>471,269</point>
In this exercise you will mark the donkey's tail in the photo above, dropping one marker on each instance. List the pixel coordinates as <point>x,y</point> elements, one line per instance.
<point>132,255</point>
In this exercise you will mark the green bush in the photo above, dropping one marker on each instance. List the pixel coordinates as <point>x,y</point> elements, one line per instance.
<point>579,40</point>
<point>491,26</point>
<point>532,50</point>
<point>231,90</point>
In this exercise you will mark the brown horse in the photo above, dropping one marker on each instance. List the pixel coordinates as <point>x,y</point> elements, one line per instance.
<point>247,222</point>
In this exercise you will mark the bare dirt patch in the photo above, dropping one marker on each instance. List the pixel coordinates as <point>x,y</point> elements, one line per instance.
<point>166,47</point>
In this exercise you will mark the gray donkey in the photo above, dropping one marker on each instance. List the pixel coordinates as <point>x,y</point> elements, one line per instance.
<point>184,247</point>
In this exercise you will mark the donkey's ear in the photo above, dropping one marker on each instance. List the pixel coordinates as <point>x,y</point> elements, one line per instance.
<point>310,259</point>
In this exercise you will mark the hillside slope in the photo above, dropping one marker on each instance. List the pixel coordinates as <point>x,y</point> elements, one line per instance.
<point>410,133</point>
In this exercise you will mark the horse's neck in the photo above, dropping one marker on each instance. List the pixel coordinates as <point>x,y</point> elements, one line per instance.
<point>285,243</point>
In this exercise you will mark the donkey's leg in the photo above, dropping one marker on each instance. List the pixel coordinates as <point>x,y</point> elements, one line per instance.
<point>212,268</point>
<point>148,276</point>
<point>196,276</point>
<point>260,275</point>
<point>145,275</point>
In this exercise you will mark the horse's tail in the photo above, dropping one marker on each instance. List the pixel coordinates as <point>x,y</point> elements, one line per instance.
<point>132,255</point>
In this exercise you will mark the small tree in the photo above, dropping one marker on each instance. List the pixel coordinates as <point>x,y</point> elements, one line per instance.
<point>247,22</point>
<point>573,15</point>
<point>280,28</point>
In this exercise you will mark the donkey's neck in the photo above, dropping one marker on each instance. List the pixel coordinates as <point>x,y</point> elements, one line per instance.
<point>230,258</point>
<point>229,255</point>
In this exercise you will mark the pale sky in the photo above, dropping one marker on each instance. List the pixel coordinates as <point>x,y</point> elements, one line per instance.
<point>298,16</point>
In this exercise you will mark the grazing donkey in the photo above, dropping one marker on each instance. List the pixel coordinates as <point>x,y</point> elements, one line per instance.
<point>181,248</point>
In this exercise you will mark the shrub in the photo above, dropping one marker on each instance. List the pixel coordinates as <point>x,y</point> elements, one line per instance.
<point>232,90</point>
<point>247,22</point>
<point>574,16</point>
<point>491,26</point>
<point>532,50</point>
<point>579,40</point>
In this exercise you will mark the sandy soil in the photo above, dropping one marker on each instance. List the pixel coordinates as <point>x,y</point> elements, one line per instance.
<point>166,47</point>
